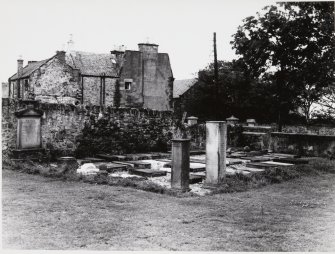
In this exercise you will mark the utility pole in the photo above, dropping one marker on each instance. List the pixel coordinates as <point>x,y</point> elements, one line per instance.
<point>216,78</point>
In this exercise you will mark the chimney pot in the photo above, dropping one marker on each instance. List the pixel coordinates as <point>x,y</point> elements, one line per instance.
<point>60,55</point>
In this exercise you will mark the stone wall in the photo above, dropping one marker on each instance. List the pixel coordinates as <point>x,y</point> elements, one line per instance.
<point>126,130</point>
<point>55,78</point>
<point>82,130</point>
<point>303,129</point>
<point>303,144</point>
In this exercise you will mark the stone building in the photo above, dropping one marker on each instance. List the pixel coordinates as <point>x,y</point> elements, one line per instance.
<point>5,89</point>
<point>137,79</point>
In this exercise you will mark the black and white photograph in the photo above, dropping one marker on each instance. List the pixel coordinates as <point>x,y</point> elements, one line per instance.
<point>167,125</point>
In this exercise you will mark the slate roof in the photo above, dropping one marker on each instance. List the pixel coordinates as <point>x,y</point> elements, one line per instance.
<point>92,63</point>
<point>29,69</point>
<point>181,86</point>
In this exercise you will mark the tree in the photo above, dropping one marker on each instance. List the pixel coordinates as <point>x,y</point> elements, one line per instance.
<point>238,94</point>
<point>294,43</point>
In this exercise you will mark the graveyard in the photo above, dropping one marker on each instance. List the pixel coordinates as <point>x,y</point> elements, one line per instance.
<point>203,142</point>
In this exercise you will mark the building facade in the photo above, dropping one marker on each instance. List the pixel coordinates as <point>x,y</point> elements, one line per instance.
<point>138,79</point>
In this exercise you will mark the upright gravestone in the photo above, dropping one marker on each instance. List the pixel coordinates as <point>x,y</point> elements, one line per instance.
<point>216,145</point>
<point>28,131</point>
<point>180,170</point>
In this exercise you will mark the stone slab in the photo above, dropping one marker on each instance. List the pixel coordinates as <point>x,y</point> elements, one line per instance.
<point>256,158</point>
<point>199,174</point>
<point>260,165</point>
<point>254,170</point>
<point>139,164</point>
<point>283,155</point>
<point>92,160</point>
<point>110,157</point>
<point>292,160</point>
<point>148,172</point>
<point>195,179</point>
<point>281,164</point>
<point>111,167</point>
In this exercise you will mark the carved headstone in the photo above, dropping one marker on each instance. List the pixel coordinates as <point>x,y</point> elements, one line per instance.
<point>29,128</point>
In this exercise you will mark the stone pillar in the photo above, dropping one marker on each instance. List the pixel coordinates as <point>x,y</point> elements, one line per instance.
<point>180,170</point>
<point>216,146</point>
<point>192,120</point>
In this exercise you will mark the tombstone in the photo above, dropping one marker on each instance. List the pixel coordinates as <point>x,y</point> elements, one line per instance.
<point>192,120</point>
<point>180,169</point>
<point>29,139</point>
<point>232,120</point>
<point>216,146</point>
<point>67,165</point>
<point>251,122</point>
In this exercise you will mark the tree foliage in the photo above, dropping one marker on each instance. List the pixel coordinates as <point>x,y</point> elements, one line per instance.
<point>294,42</point>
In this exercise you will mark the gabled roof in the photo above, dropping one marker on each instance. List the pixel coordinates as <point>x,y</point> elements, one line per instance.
<point>92,63</point>
<point>29,69</point>
<point>181,86</point>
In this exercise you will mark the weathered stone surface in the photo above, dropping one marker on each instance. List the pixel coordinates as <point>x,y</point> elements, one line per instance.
<point>254,170</point>
<point>139,164</point>
<point>180,165</point>
<point>67,165</point>
<point>278,163</point>
<point>260,165</point>
<point>216,145</point>
<point>87,169</point>
<point>112,157</point>
<point>292,160</point>
<point>148,172</point>
<point>195,179</point>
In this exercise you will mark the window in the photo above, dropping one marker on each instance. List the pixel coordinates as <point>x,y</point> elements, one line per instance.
<point>26,84</point>
<point>127,85</point>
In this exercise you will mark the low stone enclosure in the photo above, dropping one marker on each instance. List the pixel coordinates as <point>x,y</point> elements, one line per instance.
<point>121,143</point>
<point>81,131</point>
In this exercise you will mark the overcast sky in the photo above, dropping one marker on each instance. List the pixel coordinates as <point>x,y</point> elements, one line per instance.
<point>184,29</point>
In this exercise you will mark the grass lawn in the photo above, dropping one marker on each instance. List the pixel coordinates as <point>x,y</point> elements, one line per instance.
<point>45,213</point>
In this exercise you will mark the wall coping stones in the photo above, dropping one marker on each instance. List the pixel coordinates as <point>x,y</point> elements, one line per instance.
<point>299,135</point>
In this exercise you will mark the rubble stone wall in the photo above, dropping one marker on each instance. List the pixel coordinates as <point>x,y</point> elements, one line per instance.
<point>84,131</point>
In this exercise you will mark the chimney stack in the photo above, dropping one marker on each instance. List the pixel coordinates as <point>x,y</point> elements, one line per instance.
<point>60,55</point>
<point>148,48</point>
<point>19,67</point>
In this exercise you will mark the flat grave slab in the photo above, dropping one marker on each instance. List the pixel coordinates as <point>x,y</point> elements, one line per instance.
<point>238,154</point>
<point>147,172</point>
<point>257,158</point>
<point>194,166</point>
<point>230,171</point>
<point>134,164</point>
<point>254,170</point>
<point>283,155</point>
<point>111,167</point>
<point>156,164</point>
<point>195,179</point>
<point>260,165</point>
<point>278,163</point>
<point>199,174</point>
<point>292,160</point>
<point>109,157</point>
<point>92,160</point>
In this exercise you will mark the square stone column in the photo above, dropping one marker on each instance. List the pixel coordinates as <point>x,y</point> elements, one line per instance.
<point>180,169</point>
<point>216,146</point>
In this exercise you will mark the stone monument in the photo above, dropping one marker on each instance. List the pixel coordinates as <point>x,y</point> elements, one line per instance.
<point>216,146</point>
<point>28,138</point>
<point>180,170</point>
